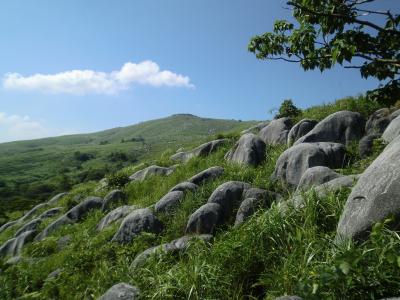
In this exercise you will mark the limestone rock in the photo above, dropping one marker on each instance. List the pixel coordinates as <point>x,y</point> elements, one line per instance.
<point>112,199</point>
<point>202,150</point>
<point>392,131</point>
<point>249,151</point>
<point>316,176</point>
<point>184,187</point>
<point>378,121</point>
<point>115,215</point>
<point>56,198</point>
<point>121,291</point>
<point>169,202</point>
<point>206,175</point>
<point>276,132</point>
<point>205,219</point>
<point>151,171</point>
<point>300,129</point>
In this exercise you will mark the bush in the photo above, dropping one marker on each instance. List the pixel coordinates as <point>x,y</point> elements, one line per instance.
<point>118,179</point>
<point>288,109</point>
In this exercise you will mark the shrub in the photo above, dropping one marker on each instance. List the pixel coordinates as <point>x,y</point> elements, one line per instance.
<point>288,109</point>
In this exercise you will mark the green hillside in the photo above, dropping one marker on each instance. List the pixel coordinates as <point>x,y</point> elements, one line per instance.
<point>32,171</point>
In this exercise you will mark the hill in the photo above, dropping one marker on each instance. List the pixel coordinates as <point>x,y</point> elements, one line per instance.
<point>31,171</point>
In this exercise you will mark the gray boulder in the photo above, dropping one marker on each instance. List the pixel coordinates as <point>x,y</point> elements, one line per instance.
<point>378,121</point>
<point>395,114</point>
<point>112,199</point>
<point>202,150</point>
<point>121,291</point>
<point>205,219</point>
<point>32,212</point>
<point>392,131</point>
<point>256,193</point>
<point>300,129</point>
<point>375,196</point>
<point>14,246</point>
<point>228,195</point>
<point>56,198</point>
<point>50,213</point>
<point>115,215</point>
<point>289,298</point>
<point>340,127</point>
<point>31,225</point>
<point>276,132</point>
<point>316,176</point>
<point>169,202</point>
<point>249,151</point>
<point>138,221</point>
<point>61,221</point>
<point>184,187</point>
<point>206,175</point>
<point>176,246</point>
<point>7,225</point>
<point>366,145</point>
<point>151,171</point>
<point>255,128</point>
<point>292,163</point>
<point>247,208</point>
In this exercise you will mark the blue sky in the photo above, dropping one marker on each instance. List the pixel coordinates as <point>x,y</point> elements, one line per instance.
<point>145,59</point>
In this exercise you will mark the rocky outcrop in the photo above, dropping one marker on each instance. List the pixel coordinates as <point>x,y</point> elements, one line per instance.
<point>249,151</point>
<point>208,174</point>
<point>366,145</point>
<point>56,198</point>
<point>176,246</point>
<point>151,171</point>
<point>228,195</point>
<point>185,186</point>
<point>50,213</point>
<point>202,150</point>
<point>340,127</point>
<point>247,208</point>
<point>378,121</point>
<point>255,128</point>
<point>7,225</point>
<point>300,129</point>
<point>316,176</point>
<point>138,221</point>
<point>375,196</point>
<point>115,215</point>
<point>205,219</point>
<point>121,291</point>
<point>31,225</point>
<point>32,212</point>
<point>292,163</point>
<point>169,202</point>
<point>392,131</point>
<point>276,132</point>
<point>14,246</point>
<point>112,199</point>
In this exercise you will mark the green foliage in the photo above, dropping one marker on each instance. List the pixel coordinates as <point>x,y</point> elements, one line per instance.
<point>333,32</point>
<point>288,109</point>
<point>117,180</point>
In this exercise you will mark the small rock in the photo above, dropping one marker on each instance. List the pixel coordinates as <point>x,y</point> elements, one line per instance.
<point>249,151</point>
<point>32,225</point>
<point>392,131</point>
<point>7,225</point>
<point>202,150</point>
<point>56,198</point>
<point>378,121</point>
<point>276,132</point>
<point>121,291</point>
<point>247,208</point>
<point>50,213</point>
<point>300,129</point>
<point>115,215</point>
<point>206,175</point>
<point>316,176</point>
<point>169,202</point>
<point>205,219</point>
<point>184,187</point>
<point>152,171</point>
<point>112,199</point>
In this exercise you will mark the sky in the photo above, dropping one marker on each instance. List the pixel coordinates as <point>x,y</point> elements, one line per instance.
<point>83,66</point>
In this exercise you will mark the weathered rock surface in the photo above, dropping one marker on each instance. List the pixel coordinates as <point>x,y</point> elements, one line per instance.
<point>121,291</point>
<point>31,225</point>
<point>249,151</point>
<point>32,212</point>
<point>378,121</point>
<point>56,198</point>
<point>276,132</point>
<point>14,246</point>
<point>169,202</point>
<point>395,114</point>
<point>392,131</point>
<point>138,221</point>
<point>176,246</point>
<point>375,196</point>
<point>205,219</point>
<point>255,128</point>
<point>50,213</point>
<point>202,150</point>
<point>151,171</point>
<point>247,208</point>
<point>340,127</point>
<point>292,163</point>
<point>185,187</point>
<point>115,215</point>
<point>7,225</point>
<point>112,199</point>
<point>365,146</point>
<point>256,193</point>
<point>206,175</point>
<point>316,176</point>
<point>228,195</point>
<point>300,129</point>
<point>289,298</point>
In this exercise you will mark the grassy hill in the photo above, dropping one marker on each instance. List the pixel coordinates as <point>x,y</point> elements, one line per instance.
<point>32,171</point>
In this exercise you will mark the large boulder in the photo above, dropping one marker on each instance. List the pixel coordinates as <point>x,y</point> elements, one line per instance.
<point>247,208</point>
<point>31,225</point>
<point>316,176</point>
<point>169,202</point>
<point>151,171</point>
<point>375,196</point>
<point>121,291</point>
<point>115,215</point>
<point>292,163</point>
<point>300,129</point>
<point>14,246</point>
<point>202,150</point>
<point>57,198</point>
<point>392,131</point>
<point>249,151</point>
<point>138,221</point>
<point>185,187</point>
<point>228,195</point>
<point>276,131</point>
<point>205,219</point>
<point>340,127</point>
<point>176,246</point>
<point>378,121</point>
<point>112,199</point>
<point>206,175</point>
<point>255,128</point>
<point>366,145</point>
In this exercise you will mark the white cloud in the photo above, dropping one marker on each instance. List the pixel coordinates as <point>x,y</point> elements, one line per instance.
<point>15,127</point>
<point>82,82</point>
